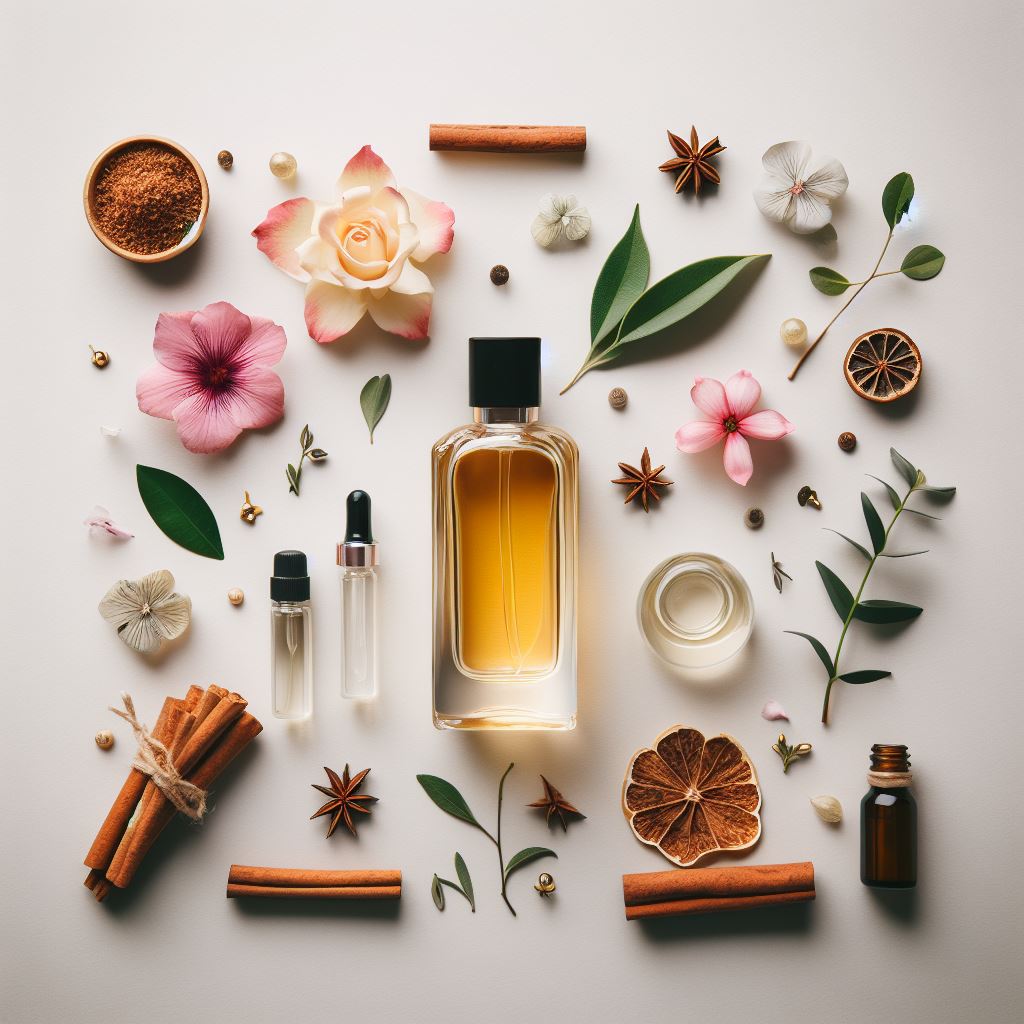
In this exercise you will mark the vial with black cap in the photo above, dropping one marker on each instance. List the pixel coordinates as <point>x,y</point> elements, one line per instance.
<point>291,624</point>
<point>357,557</point>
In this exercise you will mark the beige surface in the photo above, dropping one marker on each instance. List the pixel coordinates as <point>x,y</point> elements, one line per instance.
<point>927,87</point>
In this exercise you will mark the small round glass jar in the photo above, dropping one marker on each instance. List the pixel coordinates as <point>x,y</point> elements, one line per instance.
<point>695,610</point>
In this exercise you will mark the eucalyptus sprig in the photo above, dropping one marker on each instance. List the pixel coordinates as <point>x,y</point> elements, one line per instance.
<point>464,886</point>
<point>294,473</point>
<point>850,606</point>
<point>451,801</point>
<point>920,264</point>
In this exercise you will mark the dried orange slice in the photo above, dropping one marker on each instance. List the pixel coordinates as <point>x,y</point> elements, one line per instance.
<point>883,365</point>
<point>689,796</point>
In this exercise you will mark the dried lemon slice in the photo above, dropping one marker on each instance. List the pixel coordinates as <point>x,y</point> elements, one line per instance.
<point>883,365</point>
<point>690,796</point>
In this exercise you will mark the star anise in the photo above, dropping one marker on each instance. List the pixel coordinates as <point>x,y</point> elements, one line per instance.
<point>692,161</point>
<point>344,799</point>
<point>554,803</point>
<point>643,481</point>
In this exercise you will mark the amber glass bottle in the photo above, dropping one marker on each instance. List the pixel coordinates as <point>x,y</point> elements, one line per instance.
<point>888,821</point>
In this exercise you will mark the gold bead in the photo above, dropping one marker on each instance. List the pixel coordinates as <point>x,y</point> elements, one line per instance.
<point>225,159</point>
<point>283,165</point>
<point>617,398</point>
<point>793,332</point>
<point>235,596</point>
<point>545,884</point>
<point>104,739</point>
<point>99,357</point>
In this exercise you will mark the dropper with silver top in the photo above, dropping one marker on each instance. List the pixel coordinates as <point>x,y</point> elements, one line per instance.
<point>357,556</point>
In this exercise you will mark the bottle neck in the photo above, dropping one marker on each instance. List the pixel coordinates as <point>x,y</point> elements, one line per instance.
<point>890,766</point>
<point>506,414</point>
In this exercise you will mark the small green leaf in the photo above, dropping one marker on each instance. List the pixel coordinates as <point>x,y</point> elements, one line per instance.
<point>883,613</point>
<point>292,475</point>
<point>180,511</point>
<point>874,521</point>
<point>373,400</point>
<point>531,853</point>
<point>923,515</point>
<point>894,496</point>
<point>896,198</point>
<point>819,649</point>
<point>306,437</point>
<point>907,469</point>
<point>941,493</point>
<point>467,883</point>
<point>621,282</point>
<point>922,262</point>
<point>867,675</point>
<point>905,554</point>
<point>317,455</point>
<point>828,281</point>
<point>447,797</point>
<point>437,893</point>
<point>849,540</point>
<point>838,592</point>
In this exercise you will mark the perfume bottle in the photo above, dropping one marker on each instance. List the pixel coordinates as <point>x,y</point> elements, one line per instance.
<point>505,492</point>
<point>291,640</point>
<point>888,821</point>
<point>357,556</point>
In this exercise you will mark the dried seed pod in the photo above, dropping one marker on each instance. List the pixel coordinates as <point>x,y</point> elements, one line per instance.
<point>545,884</point>
<point>828,808</point>
<point>499,274</point>
<point>225,159</point>
<point>808,496</point>
<point>104,739</point>
<point>754,518</point>
<point>847,441</point>
<point>249,511</point>
<point>99,358</point>
<point>617,398</point>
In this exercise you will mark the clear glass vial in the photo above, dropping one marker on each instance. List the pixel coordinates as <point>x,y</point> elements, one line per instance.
<point>357,556</point>
<point>695,610</point>
<point>888,821</point>
<point>505,493</point>
<point>291,638</point>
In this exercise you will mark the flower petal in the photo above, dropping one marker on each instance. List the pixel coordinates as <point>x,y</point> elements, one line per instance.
<point>332,310</point>
<point>700,434</point>
<point>264,346</point>
<point>811,214</point>
<point>766,425</point>
<point>174,344</point>
<point>205,424</point>
<point>405,309</point>
<point>435,222</point>
<point>120,603</point>
<point>257,400</point>
<point>742,392</point>
<point>171,616</point>
<point>283,230</point>
<point>579,224</point>
<point>709,396</point>
<point>160,391</point>
<point>220,330</point>
<point>774,198</point>
<point>552,208</point>
<point>155,587</point>
<point>546,232</point>
<point>787,160</point>
<point>739,466</point>
<point>829,181</point>
<point>365,168</point>
<point>773,711</point>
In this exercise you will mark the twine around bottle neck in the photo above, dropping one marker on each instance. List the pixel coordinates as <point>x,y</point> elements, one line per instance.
<point>890,780</point>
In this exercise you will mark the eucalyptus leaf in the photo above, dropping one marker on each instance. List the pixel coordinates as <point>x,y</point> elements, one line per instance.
<point>437,893</point>
<point>292,475</point>
<point>373,400</point>
<point>849,540</point>
<point>907,469</point>
<point>867,675</point>
<point>838,592</point>
<point>923,515</point>
<point>904,554</point>
<point>894,496</point>
<point>874,521</point>
<point>531,853</point>
<point>448,798</point>
<point>942,493</point>
<point>180,511</point>
<point>828,281</point>
<point>467,883</point>
<point>621,282</point>
<point>317,454</point>
<point>896,197</point>
<point>819,649</point>
<point>882,613</point>
<point>922,262</point>
<point>306,437</point>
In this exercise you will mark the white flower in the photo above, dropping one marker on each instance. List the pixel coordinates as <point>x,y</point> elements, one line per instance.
<point>791,196</point>
<point>560,217</point>
<point>147,612</point>
<point>99,521</point>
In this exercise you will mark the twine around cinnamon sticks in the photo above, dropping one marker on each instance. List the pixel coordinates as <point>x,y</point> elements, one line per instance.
<point>311,884</point>
<point>200,734</point>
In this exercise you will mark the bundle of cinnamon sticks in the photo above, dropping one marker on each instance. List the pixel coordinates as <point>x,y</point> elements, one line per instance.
<point>203,732</point>
<point>311,884</point>
<point>704,890</point>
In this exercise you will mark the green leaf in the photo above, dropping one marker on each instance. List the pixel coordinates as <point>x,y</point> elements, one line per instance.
<point>906,468</point>
<point>894,496</point>
<point>437,893</point>
<point>942,493</point>
<point>905,554</point>
<point>531,853</point>
<point>467,883</point>
<point>883,613</point>
<point>828,281</point>
<point>180,511</point>
<point>838,592</point>
<point>867,675</point>
<point>447,797</point>
<point>292,475</point>
<point>373,400</point>
<point>849,540</point>
<point>923,515</point>
<point>306,437</point>
<point>819,649</point>
<point>896,198</point>
<point>317,455</point>
<point>874,521</point>
<point>922,262</point>
<point>621,282</point>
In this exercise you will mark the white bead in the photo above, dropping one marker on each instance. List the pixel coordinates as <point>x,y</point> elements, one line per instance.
<point>793,332</point>
<point>235,596</point>
<point>283,165</point>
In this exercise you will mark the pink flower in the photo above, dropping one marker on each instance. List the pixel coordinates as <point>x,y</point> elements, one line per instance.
<point>99,521</point>
<point>213,376</point>
<point>355,254</point>
<point>729,412</point>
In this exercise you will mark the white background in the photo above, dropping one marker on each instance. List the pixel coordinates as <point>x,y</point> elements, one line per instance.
<point>927,87</point>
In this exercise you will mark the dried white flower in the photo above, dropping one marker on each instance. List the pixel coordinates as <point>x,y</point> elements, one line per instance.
<point>790,195</point>
<point>560,217</point>
<point>828,808</point>
<point>147,612</point>
<point>774,712</point>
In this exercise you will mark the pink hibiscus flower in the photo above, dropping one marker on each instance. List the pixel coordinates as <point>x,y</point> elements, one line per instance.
<point>213,375</point>
<point>730,415</point>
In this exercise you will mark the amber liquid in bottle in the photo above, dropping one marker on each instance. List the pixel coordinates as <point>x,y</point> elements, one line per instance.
<point>888,821</point>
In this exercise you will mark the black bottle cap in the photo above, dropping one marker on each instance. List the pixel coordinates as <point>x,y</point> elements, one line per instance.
<point>504,373</point>
<point>290,581</point>
<point>357,519</point>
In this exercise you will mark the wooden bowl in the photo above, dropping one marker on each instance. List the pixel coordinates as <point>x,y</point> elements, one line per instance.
<point>89,197</point>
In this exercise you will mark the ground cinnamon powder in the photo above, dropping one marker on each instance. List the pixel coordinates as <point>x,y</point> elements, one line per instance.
<point>147,197</point>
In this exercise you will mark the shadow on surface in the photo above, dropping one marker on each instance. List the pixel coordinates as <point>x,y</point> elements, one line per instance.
<point>900,905</point>
<point>783,920</point>
<point>356,910</point>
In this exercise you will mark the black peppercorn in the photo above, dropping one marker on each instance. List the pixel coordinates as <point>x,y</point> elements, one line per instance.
<point>499,274</point>
<point>754,518</point>
<point>847,441</point>
<point>225,159</point>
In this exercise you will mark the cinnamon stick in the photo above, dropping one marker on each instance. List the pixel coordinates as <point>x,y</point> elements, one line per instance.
<point>310,878</point>
<point>704,890</point>
<point>344,892</point>
<point>508,138</point>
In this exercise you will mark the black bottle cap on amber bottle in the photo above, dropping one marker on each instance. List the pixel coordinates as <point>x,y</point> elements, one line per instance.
<point>504,373</point>
<point>290,581</point>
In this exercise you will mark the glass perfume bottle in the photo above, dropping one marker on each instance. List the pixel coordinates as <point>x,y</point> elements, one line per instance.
<point>357,556</point>
<point>505,492</point>
<point>291,640</point>
<point>888,821</point>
